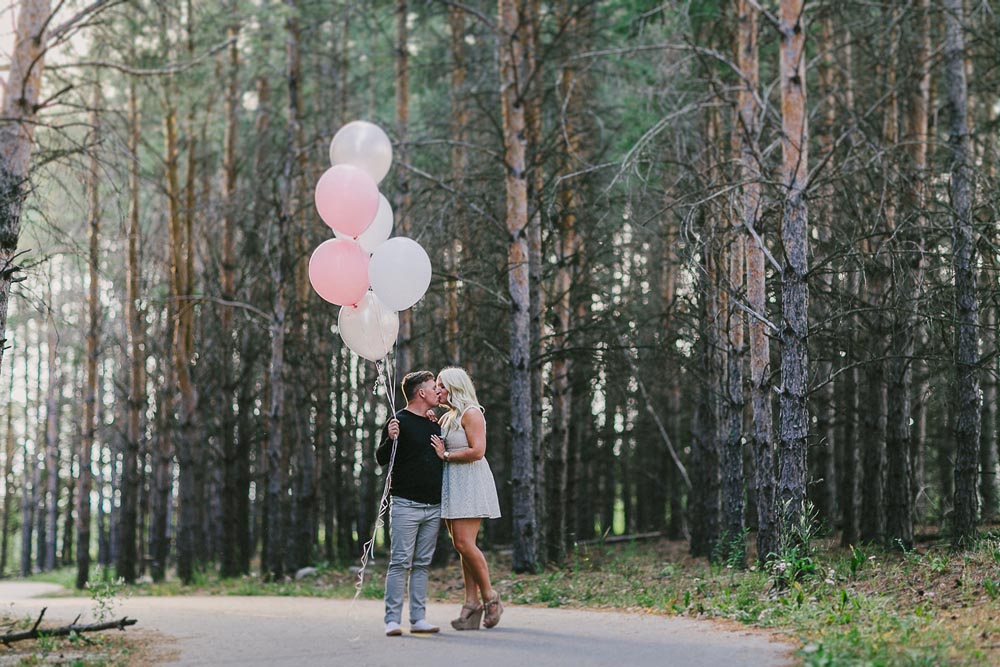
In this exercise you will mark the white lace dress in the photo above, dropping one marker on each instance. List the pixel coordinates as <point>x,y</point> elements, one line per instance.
<point>468,489</point>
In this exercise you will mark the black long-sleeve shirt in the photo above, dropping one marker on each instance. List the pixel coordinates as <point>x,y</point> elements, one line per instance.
<point>416,473</point>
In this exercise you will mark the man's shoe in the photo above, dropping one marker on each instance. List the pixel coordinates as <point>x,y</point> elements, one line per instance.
<point>422,626</point>
<point>393,629</point>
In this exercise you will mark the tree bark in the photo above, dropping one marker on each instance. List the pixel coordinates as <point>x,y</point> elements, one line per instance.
<point>571,93</point>
<point>29,465</point>
<point>8,479</point>
<point>90,390</point>
<point>231,460</point>
<point>52,408</point>
<point>988,447</point>
<point>536,265</point>
<point>793,408</point>
<point>128,541</point>
<point>403,196</point>
<point>459,165</point>
<point>18,113</point>
<point>704,499</point>
<point>512,70</point>
<point>822,483</point>
<point>761,435</point>
<point>41,457</point>
<point>962,190</point>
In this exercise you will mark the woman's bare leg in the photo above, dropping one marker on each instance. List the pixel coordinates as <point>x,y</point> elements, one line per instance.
<point>471,589</point>
<point>474,566</point>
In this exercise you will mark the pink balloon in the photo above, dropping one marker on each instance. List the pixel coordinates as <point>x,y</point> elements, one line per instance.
<point>338,271</point>
<point>347,199</point>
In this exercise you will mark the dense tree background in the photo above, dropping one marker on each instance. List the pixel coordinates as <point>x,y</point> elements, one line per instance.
<point>715,266</point>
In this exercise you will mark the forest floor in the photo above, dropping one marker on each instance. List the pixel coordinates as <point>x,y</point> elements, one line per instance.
<point>928,606</point>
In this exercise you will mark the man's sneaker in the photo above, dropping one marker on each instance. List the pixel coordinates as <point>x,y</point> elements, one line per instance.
<point>423,626</point>
<point>393,629</point>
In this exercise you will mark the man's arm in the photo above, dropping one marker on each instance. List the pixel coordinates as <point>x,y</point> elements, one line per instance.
<point>389,434</point>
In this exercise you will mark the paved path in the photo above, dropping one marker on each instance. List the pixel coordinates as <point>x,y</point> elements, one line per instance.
<point>301,632</point>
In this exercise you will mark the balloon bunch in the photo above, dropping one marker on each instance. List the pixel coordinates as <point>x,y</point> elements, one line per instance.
<point>369,275</point>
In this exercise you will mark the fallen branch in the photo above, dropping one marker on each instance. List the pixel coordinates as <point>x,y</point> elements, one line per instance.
<point>35,633</point>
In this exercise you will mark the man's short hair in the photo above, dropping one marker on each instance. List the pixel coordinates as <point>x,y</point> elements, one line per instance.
<point>412,381</point>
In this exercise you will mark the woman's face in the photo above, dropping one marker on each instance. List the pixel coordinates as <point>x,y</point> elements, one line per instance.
<point>442,392</point>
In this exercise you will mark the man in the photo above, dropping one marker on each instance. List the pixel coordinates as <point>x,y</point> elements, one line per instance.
<point>415,514</point>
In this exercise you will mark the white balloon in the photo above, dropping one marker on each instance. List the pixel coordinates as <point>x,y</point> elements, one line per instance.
<point>378,231</point>
<point>369,329</point>
<point>400,272</point>
<point>364,145</point>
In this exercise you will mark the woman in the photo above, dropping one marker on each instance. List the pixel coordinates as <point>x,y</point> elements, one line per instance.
<point>468,493</point>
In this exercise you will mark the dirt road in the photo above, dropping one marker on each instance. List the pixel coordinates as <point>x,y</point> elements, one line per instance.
<point>300,632</point>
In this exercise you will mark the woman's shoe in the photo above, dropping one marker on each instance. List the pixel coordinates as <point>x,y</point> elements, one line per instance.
<point>494,610</point>
<point>469,618</point>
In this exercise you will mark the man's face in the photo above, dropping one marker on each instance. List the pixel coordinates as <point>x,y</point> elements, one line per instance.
<point>428,391</point>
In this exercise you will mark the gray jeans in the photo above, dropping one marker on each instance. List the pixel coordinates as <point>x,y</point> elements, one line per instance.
<point>413,535</point>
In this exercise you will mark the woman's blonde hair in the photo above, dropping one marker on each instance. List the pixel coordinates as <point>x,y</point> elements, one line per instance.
<point>461,395</point>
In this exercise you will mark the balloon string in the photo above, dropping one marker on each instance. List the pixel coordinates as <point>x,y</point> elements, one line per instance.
<point>368,549</point>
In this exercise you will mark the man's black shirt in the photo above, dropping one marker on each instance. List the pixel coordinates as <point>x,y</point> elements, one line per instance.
<point>416,474</point>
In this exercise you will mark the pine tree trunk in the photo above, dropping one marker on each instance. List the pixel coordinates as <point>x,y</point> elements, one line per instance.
<point>988,447</point>
<point>276,454</point>
<point>512,69</point>
<point>252,530</point>
<point>917,123</point>
<point>29,490</point>
<point>872,518</point>
<point>128,542</point>
<point>69,526</point>
<point>899,500</point>
<point>8,479</point>
<point>793,416</point>
<point>822,484</point>
<point>246,441</point>
<point>851,471</point>
<point>459,165</point>
<point>231,461</point>
<point>52,408</point>
<point>558,472</point>
<point>704,499</point>
<point>404,354</point>
<point>185,543</point>
<point>41,458</point>
<point>967,399</point>
<point>19,109</point>
<point>161,482</point>
<point>536,265</point>
<point>761,433</point>
<point>90,390</point>
<point>989,486</point>
<point>343,462</point>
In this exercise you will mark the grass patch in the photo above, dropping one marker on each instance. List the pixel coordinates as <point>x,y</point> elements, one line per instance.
<point>845,607</point>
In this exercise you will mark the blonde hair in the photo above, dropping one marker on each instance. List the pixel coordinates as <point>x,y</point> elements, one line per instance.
<point>461,395</point>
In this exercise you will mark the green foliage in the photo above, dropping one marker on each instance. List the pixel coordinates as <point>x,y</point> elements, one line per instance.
<point>104,595</point>
<point>858,558</point>
<point>844,607</point>
<point>731,550</point>
<point>992,587</point>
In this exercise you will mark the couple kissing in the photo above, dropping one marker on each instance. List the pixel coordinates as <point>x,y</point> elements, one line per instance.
<point>439,472</point>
